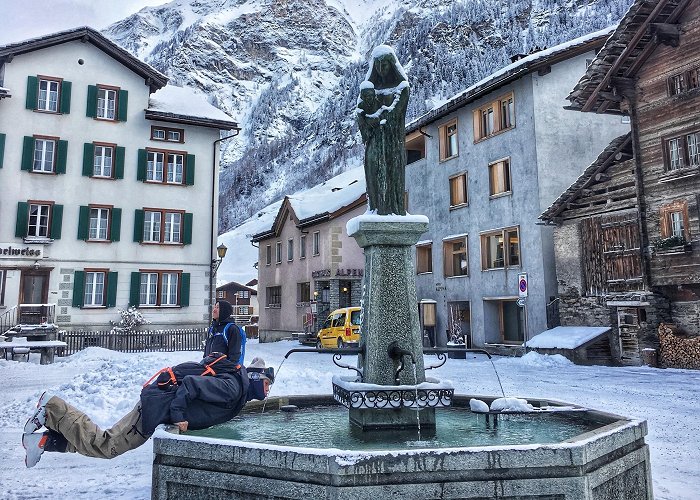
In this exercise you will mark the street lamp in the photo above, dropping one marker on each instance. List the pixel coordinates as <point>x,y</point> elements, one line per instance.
<point>221,252</point>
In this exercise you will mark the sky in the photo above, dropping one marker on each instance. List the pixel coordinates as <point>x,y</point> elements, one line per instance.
<point>105,384</point>
<point>22,19</point>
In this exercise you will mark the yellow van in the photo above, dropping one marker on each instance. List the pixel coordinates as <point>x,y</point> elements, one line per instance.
<point>341,328</point>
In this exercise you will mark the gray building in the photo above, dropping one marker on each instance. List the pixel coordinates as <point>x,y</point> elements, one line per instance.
<point>483,167</point>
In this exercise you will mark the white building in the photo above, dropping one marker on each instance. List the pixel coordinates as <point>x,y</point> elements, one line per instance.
<point>108,185</point>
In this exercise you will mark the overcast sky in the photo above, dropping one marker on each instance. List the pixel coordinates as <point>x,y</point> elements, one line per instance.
<point>22,19</point>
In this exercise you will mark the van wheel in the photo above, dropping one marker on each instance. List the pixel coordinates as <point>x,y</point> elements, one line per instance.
<point>319,345</point>
<point>340,343</point>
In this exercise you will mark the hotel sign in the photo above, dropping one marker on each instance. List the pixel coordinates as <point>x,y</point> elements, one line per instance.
<point>326,273</point>
<point>7,251</point>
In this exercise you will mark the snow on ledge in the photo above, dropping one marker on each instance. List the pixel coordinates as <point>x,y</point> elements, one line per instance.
<point>186,102</point>
<point>349,384</point>
<point>566,337</point>
<point>353,225</point>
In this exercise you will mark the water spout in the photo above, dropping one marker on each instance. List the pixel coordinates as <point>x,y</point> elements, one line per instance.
<point>397,353</point>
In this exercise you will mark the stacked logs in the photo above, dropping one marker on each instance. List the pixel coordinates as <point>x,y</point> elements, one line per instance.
<point>677,350</point>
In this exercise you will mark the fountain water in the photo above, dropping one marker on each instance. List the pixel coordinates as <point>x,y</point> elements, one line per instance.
<point>395,445</point>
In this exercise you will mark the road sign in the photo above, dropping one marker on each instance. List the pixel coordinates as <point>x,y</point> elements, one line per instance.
<point>522,285</point>
<point>521,302</point>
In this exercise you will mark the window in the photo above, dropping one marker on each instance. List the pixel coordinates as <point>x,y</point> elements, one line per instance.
<point>303,292</point>
<point>278,252</point>
<point>683,152</point>
<point>154,170</point>
<point>448,141</point>
<point>243,310</point>
<point>103,161</point>
<point>499,177</point>
<point>500,249</point>
<point>221,294</point>
<point>268,255</point>
<point>38,220</point>
<point>316,246</point>
<point>290,250</point>
<point>274,296</point>
<point>48,95</point>
<point>424,258</point>
<point>94,289</point>
<point>494,117</point>
<point>677,84</point>
<point>170,167</point>
<point>455,257</point>
<point>674,221</point>
<point>243,294</point>
<point>44,155</point>
<point>99,224</point>
<point>175,168</point>
<point>683,82</point>
<point>165,226</point>
<point>458,190</point>
<point>302,246</point>
<point>106,103</point>
<point>163,288</point>
<point>167,134</point>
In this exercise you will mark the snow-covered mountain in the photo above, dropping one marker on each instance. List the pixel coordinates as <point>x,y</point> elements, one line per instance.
<point>289,70</point>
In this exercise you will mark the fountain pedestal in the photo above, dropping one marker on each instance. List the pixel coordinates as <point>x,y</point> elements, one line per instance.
<point>390,314</point>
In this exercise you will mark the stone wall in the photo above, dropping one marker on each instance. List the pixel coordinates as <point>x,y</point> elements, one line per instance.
<point>686,315</point>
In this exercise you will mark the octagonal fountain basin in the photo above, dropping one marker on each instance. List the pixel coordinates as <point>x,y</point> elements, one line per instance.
<point>315,453</point>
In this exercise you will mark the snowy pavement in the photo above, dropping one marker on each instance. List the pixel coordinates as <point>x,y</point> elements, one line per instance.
<point>106,385</point>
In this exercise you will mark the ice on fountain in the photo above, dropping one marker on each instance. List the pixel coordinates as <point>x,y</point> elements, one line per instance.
<point>478,406</point>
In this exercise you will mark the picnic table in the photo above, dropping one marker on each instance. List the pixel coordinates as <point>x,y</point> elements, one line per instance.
<point>22,346</point>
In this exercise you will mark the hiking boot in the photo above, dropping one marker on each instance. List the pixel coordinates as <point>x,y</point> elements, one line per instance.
<point>34,443</point>
<point>38,419</point>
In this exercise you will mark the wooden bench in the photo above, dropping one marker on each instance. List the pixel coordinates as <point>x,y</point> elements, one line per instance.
<point>47,348</point>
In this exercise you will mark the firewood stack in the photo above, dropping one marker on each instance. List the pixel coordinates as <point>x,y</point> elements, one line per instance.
<point>678,350</point>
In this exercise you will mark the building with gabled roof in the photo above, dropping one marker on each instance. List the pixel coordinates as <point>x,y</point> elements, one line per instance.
<point>110,182</point>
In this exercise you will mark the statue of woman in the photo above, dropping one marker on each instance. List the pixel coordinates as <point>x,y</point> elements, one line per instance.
<point>381,116</point>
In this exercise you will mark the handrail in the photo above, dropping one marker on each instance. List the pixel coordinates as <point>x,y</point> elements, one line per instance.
<point>8,319</point>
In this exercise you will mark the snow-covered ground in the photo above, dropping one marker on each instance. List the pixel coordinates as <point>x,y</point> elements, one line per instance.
<point>106,385</point>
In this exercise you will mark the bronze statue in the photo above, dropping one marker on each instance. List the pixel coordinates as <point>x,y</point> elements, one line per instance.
<point>381,116</point>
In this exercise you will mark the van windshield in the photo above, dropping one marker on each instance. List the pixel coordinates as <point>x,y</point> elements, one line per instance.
<point>355,317</point>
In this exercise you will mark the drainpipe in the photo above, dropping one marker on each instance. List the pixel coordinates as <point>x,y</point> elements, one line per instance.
<point>213,237</point>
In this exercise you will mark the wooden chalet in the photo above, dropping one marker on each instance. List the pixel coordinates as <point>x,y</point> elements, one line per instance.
<point>649,69</point>
<point>243,299</point>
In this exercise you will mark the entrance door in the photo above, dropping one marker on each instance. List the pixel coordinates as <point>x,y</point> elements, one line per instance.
<point>34,290</point>
<point>513,321</point>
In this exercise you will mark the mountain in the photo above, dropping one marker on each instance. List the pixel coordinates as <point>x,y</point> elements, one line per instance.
<point>289,70</point>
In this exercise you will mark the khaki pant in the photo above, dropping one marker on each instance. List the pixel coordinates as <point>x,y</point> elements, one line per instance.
<point>88,439</point>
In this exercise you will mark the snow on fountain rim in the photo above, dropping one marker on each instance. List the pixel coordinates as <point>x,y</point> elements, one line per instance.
<point>349,384</point>
<point>353,225</point>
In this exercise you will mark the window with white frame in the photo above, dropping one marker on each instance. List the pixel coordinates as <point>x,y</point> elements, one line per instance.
<point>278,252</point>
<point>458,190</point>
<point>167,134</point>
<point>48,95</point>
<point>500,248</point>
<point>221,294</point>
<point>104,156</point>
<point>159,288</point>
<point>302,246</point>
<point>316,243</point>
<point>151,226</point>
<point>677,224</point>
<point>290,250</point>
<point>173,227</point>
<point>169,288</point>
<point>268,255</point>
<point>243,294</point>
<point>148,295</point>
<point>99,224</point>
<point>693,146</point>
<point>674,220</point>
<point>243,310</point>
<point>154,166</point>
<point>44,155</point>
<point>683,152</point>
<point>675,153</point>
<point>106,103</point>
<point>175,168</point>
<point>94,295</point>
<point>39,217</point>
<point>456,262</point>
<point>163,226</point>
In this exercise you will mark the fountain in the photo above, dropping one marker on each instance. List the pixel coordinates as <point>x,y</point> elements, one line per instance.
<point>406,435</point>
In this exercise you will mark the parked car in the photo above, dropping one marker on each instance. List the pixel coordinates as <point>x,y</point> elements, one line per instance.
<point>341,328</point>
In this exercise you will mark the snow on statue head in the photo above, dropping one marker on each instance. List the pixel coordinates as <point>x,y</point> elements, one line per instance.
<point>386,71</point>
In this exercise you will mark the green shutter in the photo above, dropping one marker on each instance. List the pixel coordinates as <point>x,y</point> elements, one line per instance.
<point>56,222</point>
<point>185,289</point>
<point>2,148</point>
<point>32,92</point>
<point>138,225</point>
<point>83,223</point>
<point>119,162</point>
<point>91,109</point>
<point>112,279</point>
<point>28,153</point>
<point>141,169</point>
<point>189,171</point>
<point>88,159</point>
<point>135,289</point>
<point>22,219</point>
<point>187,230</point>
<point>65,97</point>
<point>78,288</point>
<point>61,157</point>
<point>115,227</point>
<point>123,105</point>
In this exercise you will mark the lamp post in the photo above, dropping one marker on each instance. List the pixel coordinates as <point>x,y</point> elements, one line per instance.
<point>215,263</point>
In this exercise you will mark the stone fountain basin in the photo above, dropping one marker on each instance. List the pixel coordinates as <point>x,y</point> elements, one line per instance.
<point>609,463</point>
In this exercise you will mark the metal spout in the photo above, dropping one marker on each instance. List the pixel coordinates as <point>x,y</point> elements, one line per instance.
<point>397,353</point>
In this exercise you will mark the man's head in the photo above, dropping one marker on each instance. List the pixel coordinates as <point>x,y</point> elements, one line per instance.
<point>221,310</point>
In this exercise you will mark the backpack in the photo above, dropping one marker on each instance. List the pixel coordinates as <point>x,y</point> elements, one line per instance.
<point>241,333</point>
<point>171,376</point>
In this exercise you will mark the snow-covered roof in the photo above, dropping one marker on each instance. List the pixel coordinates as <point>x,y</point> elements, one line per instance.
<point>513,71</point>
<point>566,337</point>
<point>185,105</point>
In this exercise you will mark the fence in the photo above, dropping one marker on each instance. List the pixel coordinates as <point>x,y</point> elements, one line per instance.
<point>142,341</point>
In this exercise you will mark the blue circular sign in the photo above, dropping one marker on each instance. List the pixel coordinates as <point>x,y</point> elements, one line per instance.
<point>523,284</point>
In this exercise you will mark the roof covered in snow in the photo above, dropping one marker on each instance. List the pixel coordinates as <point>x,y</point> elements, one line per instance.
<point>514,71</point>
<point>154,78</point>
<point>566,337</point>
<point>322,202</point>
<point>185,105</point>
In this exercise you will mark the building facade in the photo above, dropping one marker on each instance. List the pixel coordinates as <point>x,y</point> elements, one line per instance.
<point>107,186</point>
<point>493,157</point>
<point>244,300</point>
<point>308,265</point>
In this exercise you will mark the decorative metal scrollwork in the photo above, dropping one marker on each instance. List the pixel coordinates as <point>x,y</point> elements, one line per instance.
<point>336,361</point>
<point>441,356</point>
<point>393,398</point>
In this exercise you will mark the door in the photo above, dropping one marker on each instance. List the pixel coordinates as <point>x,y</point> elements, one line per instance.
<point>513,322</point>
<point>34,290</point>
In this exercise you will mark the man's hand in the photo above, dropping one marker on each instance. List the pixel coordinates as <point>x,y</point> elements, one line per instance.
<point>182,426</point>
